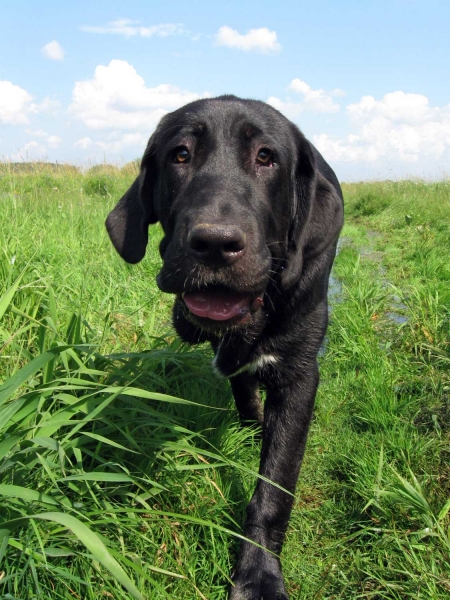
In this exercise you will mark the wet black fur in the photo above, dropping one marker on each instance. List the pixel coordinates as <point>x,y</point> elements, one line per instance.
<point>291,214</point>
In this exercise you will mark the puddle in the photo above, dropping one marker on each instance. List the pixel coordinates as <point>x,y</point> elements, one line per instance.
<point>396,318</point>
<point>397,309</point>
<point>335,295</point>
<point>334,284</point>
<point>396,314</point>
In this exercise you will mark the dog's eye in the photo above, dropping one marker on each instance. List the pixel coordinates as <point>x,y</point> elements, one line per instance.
<point>265,156</point>
<point>181,155</point>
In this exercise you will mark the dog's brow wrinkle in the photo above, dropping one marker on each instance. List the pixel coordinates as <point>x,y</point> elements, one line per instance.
<point>163,133</point>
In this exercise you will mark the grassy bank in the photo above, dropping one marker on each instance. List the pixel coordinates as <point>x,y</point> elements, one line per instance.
<point>123,470</point>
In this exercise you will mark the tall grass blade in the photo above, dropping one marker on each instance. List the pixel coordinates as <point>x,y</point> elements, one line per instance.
<point>30,369</point>
<point>87,537</point>
<point>5,300</point>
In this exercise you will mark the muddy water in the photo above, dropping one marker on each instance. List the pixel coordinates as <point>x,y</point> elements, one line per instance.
<point>396,313</point>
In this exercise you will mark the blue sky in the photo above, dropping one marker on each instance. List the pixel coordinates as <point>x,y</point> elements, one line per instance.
<point>367,82</point>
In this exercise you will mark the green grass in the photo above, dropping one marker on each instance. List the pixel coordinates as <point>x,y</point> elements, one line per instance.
<point>124,472</point>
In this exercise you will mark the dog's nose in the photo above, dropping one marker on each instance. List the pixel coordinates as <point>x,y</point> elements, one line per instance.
<point>217,243</point>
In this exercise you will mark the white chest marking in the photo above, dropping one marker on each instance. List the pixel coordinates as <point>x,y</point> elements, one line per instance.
<point>261,362</point>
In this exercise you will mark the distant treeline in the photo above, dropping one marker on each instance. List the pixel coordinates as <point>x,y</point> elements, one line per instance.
<point>48,167</point>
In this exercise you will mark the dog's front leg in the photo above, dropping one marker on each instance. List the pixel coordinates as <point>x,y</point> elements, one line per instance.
<point>287,414</point>
<point>246,396</point>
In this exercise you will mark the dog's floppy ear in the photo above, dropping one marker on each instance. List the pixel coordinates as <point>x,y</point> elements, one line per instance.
<point>317,210</point>
<point>127,224</point>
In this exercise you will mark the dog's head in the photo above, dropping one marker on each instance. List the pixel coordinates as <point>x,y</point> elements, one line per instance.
<point>242,202</point>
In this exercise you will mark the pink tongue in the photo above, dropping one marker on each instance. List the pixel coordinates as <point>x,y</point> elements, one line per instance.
<point>216,305</point>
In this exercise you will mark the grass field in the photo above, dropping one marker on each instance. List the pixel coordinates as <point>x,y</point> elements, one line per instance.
<point>124,472</point>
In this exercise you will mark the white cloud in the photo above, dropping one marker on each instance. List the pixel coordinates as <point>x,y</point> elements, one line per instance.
<point>400,127</point>
<point>128,28</point>
<point>395,106</point>
<point>115,143</point>
<point>52,141</point>
<point>30,151</point>
<point>118,99</point>
<point>259,40</point>
<point>15,104</point>
<point>53,51</point>
<point>317,101</point>
<point>83,143</point>
<point>48,106</point>
<point>37,132</point>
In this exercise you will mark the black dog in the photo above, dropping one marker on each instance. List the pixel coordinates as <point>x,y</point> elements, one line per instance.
<point>251,214</point>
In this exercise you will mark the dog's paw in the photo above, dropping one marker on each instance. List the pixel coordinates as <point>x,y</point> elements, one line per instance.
<point>261,580</point>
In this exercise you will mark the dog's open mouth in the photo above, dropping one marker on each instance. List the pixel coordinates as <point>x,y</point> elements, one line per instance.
<point>220,304</point>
